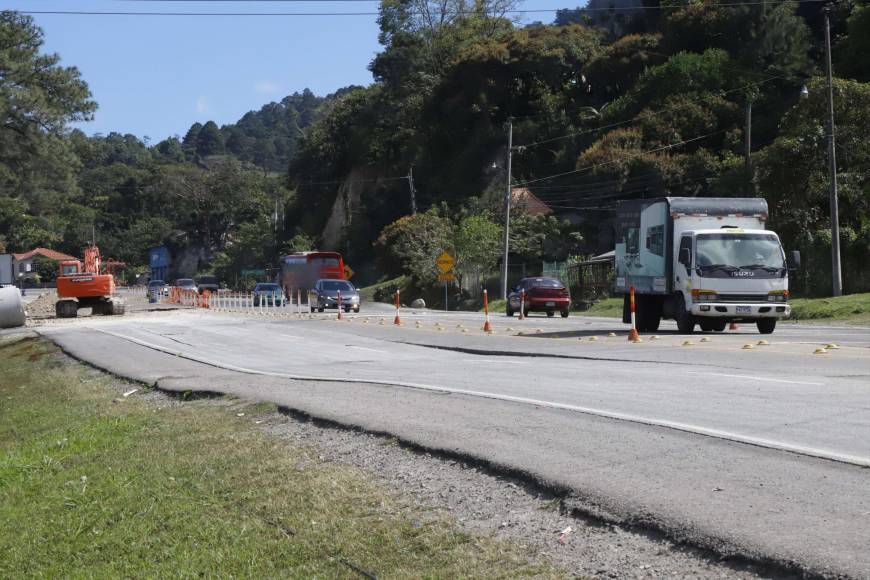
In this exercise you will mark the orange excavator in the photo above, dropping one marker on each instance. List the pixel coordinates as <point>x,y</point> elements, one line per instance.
<point>87,285</point>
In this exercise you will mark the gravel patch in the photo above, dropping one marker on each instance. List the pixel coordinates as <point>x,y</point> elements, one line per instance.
<point>482,502</point>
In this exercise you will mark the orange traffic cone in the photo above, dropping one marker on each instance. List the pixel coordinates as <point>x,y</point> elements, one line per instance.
<point>733,326</point>
<point>522,304</point>
<point>397,321</point>
<point>487,326</point>
<point>633,336</point>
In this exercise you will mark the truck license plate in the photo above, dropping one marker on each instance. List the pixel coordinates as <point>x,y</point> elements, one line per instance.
<point>744,310</point>
<point>551,303</point>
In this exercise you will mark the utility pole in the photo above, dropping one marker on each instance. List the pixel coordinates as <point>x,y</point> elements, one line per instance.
<point>410,179</point>
<point>836,275</point>
<point>747,138</point>
<point>507,212</point>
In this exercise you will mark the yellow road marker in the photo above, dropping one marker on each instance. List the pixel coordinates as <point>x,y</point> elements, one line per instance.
<point>763,343</point>
<point>688,343</point>
<point>820,350</point>
<point>748,346</point>
<point>832,346</point>
<point>706,339</point>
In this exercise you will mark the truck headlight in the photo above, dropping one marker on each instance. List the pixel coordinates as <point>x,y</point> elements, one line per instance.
<point>704,296</point>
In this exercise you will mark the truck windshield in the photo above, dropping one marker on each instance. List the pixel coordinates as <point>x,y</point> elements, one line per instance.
<point>744,251</point>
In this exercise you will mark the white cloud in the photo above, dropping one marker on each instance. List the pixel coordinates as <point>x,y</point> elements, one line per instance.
<point>201,105</point>
<point>266,87</point>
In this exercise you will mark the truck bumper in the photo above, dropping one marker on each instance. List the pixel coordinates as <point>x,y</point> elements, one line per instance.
<point>756,310</point>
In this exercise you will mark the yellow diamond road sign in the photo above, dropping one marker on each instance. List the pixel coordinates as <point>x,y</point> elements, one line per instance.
<point>445,261</point>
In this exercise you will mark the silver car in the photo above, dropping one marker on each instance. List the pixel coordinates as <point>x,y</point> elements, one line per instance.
<point>324,294</point>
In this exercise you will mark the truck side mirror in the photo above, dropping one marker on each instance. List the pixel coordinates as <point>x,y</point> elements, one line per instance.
<point>794,261</point>
<point>686,257</point>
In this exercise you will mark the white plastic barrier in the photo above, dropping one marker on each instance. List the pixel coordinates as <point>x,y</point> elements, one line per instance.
<point>12,312</point>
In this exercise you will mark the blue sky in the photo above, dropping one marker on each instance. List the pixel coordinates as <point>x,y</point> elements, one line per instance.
<point>154,76</point>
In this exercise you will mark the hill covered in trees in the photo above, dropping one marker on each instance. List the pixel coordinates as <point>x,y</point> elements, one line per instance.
<point>647,101</point>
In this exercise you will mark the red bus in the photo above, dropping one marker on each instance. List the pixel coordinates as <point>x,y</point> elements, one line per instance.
<point>303,269</point>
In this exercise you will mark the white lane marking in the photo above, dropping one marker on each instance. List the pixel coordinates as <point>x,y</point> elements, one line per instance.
<point>754,378</point>
<point>495,362</point>
<point>368,349</point>
<point>674,425</point>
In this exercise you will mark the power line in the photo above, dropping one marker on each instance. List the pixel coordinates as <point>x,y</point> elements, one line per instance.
<point>378,13</point>
<point>648,115</point>
<point>597,165</point>
<point>340,181</point>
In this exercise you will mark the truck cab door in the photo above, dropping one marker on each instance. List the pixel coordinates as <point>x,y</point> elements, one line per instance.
<point>683,267</point>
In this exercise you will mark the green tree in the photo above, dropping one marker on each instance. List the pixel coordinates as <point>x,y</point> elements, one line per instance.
<point>852,50</point>
<point>45,269</point>
<point>794,178</point>
<point>38,99</point>
<point>209,140</point>
<point>414,242</point>
<point>298,243</point>
<point>477,243</point>
<point>191,138</point>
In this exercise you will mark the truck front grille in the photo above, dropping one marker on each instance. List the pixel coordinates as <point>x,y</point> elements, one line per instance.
<point>743,298</point>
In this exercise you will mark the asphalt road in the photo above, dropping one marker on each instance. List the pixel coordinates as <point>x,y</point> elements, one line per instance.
<point>759,451</point>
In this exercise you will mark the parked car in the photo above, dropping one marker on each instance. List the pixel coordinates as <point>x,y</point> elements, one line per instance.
<point>209,283</point>
<point>324,294</point>
<point>268,293</point>
<point>185,284</point>
<point>157,287</point>
<point>541,295</point>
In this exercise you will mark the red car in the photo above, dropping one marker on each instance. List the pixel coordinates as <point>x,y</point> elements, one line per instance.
<point>541,295</point>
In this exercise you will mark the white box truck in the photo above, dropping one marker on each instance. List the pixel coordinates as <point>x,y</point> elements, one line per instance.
<point>701,261</point>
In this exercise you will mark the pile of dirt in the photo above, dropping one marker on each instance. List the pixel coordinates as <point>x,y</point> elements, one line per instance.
<point>43,306</point>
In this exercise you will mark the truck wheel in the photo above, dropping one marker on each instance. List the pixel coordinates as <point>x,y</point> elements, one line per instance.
<point>565,313</point>
<point>766,325</point>
<point>66,309</point>
<point>508,310</point>
<point>551,313</point>
<point>719,325</point>
<point>115,308</point>
<point>685,320</point>
<point>706,325</point>
<point>652,321</point>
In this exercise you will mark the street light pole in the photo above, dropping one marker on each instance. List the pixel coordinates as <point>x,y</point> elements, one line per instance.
<point>836,275</point>
<point>507,213</point>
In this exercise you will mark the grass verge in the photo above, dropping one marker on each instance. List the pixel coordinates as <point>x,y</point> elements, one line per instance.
<point>94,484</point>
<point>854,308</point>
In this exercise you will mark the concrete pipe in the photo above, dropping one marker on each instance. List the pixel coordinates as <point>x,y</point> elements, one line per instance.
<point>11,307</point>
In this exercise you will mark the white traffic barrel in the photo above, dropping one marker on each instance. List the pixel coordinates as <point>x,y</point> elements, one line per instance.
<point>11,307</point>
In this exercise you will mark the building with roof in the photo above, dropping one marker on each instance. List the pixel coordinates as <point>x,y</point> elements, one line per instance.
<point>22,264</point>
<point>530,203</point>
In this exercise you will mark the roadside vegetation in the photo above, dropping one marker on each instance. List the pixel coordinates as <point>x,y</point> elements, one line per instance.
<point>604,109</point>
<point>853,308</point>
<point>96,484</point>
